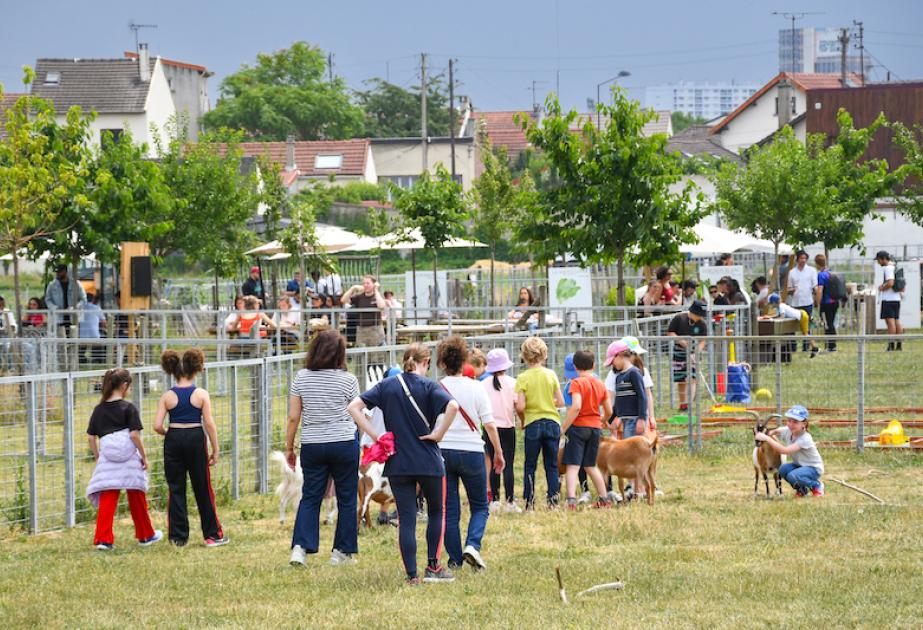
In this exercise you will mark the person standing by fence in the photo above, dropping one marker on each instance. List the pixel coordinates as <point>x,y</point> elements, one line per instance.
<point>829,301</point>
<point>891,291</point>
<point>803,287</point>
<point>62,294</point>
<point>688,324</point>
<point>369,331</point>
<point>184,447</point>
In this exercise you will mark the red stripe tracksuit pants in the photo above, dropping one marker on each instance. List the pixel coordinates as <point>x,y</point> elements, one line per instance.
<point>137,505</point>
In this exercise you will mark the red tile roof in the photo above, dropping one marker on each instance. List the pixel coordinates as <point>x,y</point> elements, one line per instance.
<point>355,155</point>
<point>502,130</point>
<point>804,81</point>
<point>171,62</point>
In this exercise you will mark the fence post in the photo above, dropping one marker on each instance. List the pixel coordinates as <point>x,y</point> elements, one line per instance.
<point>235,454</point>
<point>860,402</point>
<point>690,384</point>
<point>779,376</point>
<point>265,426</point>
<point>69,465</point>
<point>33,461</point>
<point>670,355</point>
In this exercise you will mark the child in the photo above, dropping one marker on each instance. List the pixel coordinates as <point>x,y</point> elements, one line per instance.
<point>570,373</point>
<point>538,397</point>
<point>478,360</point>
<point>184,447</point>
<point>630,400</point>
<point>806,467</point>
<point>500,390</point>
<point>650,424</point>
<point>583,428</point>
<point>120,462</point>
<point>787,312</point>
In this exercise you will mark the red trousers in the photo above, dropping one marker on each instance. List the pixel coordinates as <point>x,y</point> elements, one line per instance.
<point>137,504</point>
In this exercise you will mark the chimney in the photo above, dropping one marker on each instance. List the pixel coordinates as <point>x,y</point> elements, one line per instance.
<point>290,154</point>
<point>784,102</point>
<point>144,63</point>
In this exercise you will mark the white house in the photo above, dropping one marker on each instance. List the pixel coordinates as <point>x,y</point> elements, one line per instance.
<point>126,94</point>
<point>400,160</point>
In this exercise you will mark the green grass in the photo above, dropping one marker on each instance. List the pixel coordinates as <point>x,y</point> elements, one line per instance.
<point>706,555</point>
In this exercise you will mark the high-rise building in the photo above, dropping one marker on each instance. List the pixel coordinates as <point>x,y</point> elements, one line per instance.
<point>817,50</point>
<point>705,100</point>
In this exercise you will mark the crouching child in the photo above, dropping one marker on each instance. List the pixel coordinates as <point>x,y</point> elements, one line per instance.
<point>804,470</point>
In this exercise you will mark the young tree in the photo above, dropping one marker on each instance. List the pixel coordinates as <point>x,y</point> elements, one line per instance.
<point>494,204</point>
<point>609,199</point>
<point>286,92</point>
<point>299,237</point>
<point>436,206</point>
<point>394,112</point>
<point>910,174</point>
<point>682,120</point>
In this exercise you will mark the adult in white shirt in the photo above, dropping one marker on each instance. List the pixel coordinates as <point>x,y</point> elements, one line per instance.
<point>463,451</point>
<point>802,285</point>
<point>331,284</point>
<point>890,300</point>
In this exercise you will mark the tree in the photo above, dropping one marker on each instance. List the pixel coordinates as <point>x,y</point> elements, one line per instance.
<point>609,199</point>
<point>772,195</point>
<point>495,203</point>
<point>394,112</point>
<point>435,206</point>
<point>682,120</point>
<point>299,238</point>
<point>910,174</point>
<point>36,178</point>
<point>286,92</point>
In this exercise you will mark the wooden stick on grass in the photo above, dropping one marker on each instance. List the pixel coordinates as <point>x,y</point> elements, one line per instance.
<point>611,586</point>
<point>561,591</point>
<point>856,488</point>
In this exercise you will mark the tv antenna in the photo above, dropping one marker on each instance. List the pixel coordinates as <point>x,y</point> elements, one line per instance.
<point>795,15</point>
<point>135,27</point>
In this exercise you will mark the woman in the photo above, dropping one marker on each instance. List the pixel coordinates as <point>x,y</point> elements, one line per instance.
<point>251,317</point>
<point>411,405</point>
<point>317,404</point>
<point>233,318</point>
<point>288,320</point>
<point>35,319</point>
<point>667,292</point>
<point>463,451</point>
<point>185,450</point>
<point>526,299</point>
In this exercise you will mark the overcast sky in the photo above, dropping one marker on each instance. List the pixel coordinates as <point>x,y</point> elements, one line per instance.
<point>501,46</point>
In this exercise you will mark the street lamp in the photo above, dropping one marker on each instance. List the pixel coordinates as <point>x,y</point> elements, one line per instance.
<point>621,74</point>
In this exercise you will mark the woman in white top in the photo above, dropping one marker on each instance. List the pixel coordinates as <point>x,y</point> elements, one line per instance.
<point>463,451</point>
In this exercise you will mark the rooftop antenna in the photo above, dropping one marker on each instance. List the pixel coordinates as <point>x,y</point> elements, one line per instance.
<point>135,27</point>
<point>795,15</point>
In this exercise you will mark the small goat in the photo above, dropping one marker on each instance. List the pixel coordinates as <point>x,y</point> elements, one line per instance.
<point>765,460</point>
<point>633,458</point>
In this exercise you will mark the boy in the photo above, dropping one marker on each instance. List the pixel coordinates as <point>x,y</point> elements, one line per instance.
<point>689,324</point>
<point>890,300</point>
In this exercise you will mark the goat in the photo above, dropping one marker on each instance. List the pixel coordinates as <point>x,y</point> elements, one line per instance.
<point>765,460</point>
<point>633,458</point>
<point>373,486</point>
<point>289,489</point>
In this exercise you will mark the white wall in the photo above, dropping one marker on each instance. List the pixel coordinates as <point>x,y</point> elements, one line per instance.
<point>406,159</point>
<point>159,105</point>
<point>757,121</point>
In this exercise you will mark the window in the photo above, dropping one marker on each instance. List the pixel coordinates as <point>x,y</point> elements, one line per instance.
<point>115,133</point>
<point>328,161</point>
<point>53,78</point>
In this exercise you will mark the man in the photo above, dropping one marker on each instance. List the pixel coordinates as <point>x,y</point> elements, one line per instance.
<point>331,284</point>
<point>369,331</point>
<point>829,305</point>
<point>690,323</point>
<point>726,260</point>
<point>783,272</point>
<point>803,289</point>
<point>254,286</point>
<point>890,300</point>
<point>393,307</point>
<point>90,322</point>
<point>60,294</point>
<point>293,287</point>
<point>688,288</point>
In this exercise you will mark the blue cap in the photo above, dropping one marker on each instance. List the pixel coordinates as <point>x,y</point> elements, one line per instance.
<point>393,371</point>
<point>569,370</point>
<point>798,413</point>
<point>774,298</point>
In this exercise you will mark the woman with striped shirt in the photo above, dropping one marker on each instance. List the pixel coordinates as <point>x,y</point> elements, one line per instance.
<point>318,399</point>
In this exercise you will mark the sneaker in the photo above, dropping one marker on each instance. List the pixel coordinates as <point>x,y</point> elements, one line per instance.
<point>814,352</point>
<point>473,557</point>
<point>512,508</point>
<point>297,559</point>
<point>572,505</point>
<point>454,566</point>
<point>438,574</point>
<point>613,495</point>
<point>217,542</point>
<point>818,491</point>
<point>584,498</point>
<point>684,407</point>
<point>413,581</point>
<point>157,537</point>
<point>105,546</point>
<point>602,503</point>
<point>494,507</point>
<point>177,543</point>
<point>337,558</point>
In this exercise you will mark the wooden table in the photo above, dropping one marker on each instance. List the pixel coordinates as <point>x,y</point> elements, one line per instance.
<point>766,350</point>
<point>422,332</point>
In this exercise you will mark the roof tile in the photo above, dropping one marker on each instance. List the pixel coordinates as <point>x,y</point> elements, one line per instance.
<point>106,86</point>
<point>354,152</point>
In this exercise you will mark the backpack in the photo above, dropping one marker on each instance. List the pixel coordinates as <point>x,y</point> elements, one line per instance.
<point>899,283</point>
<point>836,287</point>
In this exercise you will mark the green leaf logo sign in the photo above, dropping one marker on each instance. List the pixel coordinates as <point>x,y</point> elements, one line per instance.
<point>566,289</point>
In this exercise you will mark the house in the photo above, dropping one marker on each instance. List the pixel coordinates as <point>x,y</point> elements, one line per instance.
<point>696,141</point>
<point>126,94</point>
<point>501,130</point>
<point>189,88</point>
<point>400,160</point>
<point>304,162</point>
<point>759,116</point>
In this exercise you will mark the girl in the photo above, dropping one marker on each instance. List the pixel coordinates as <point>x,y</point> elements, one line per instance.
<point>500,390</point>
<point>648,423</point>
<point>231,321</point>
<point>184,447</point>
<point>121,462</point>
<point>806,467</point>
<point>34,318</point>
<point>630,399</point>
<point>463,451</point>
<point>538,397</point>
<point>411,405</point>
<point>251,317</point>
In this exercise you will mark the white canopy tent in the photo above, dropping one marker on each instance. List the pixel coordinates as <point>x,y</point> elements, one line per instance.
<point>715,240</point>
<point>330,238</point>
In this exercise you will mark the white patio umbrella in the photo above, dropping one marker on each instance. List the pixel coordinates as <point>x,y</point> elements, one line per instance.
<point>330,238</point>
<point>717,240</point>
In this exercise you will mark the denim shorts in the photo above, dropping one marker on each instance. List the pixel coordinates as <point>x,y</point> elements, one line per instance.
<point>582,446</point>
<point>630,427</point>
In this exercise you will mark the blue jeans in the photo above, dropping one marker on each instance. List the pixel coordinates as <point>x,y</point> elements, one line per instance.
<point>467,467</point>
<point>802,478</point>
<point>541,436</point>
<point>319,462</point>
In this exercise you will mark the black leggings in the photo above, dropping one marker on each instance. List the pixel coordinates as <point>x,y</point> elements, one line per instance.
<point>405,496</point>
<point>508,447</point>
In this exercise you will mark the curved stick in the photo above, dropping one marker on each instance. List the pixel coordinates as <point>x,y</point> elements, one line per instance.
<point>856,488</point>
<point>611,586</point>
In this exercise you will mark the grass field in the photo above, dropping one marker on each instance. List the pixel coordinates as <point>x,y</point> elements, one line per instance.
<point>706,554</point>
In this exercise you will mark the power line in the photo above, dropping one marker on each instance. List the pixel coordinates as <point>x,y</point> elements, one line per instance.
<point>878,61</point>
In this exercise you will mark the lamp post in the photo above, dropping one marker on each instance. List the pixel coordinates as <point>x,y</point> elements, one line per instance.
<point>621,74</point>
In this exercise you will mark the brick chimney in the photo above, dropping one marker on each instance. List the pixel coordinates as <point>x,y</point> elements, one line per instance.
<point>784,100</point>
<point>290,154</point>
<point>144,63</point>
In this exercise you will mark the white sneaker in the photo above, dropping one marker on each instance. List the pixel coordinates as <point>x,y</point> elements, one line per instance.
<point>297,559</point>
<point>157,537</point>
<point>511,507</point>
<point>494,507</point>
<point>613,495</point>
<point>658,492</point>
<point>473,557</point>
<point>584,498</point>
<point>337,558</point>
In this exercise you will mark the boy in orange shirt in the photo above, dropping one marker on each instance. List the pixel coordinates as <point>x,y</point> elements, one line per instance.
<point>583,429</point>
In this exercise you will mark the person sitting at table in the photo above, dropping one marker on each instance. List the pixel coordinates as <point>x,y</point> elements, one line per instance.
<point>288,320</point>
<point>33,319</point>
<point>251,317</point>
<point>526,300</point>
<point>230,322</point>
<point>393,307</point>
<point>784,311</point>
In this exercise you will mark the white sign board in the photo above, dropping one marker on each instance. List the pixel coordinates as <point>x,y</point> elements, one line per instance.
<point>571,288</point>
<point>910,305</point>
<point>424,295</point>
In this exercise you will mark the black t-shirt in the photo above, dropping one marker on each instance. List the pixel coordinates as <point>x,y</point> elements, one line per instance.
<point>683,326</point>
<point>366,301</point>
<point>109,417</point>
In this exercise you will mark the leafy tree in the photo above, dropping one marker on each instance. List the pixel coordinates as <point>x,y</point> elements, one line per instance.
<point>284,93</point>
<point>682,120</point>
<point>299,238</point>
<point>609,199</point>
<point>36,176</point>
<point>436,206</point>
<point>495,203</point>
<point>394,112</point>
<point>910,174</point>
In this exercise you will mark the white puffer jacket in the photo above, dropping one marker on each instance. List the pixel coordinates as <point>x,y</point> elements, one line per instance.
<point>118,467</point>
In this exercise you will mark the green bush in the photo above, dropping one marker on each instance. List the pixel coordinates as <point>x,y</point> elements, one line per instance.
<point>613,298</point>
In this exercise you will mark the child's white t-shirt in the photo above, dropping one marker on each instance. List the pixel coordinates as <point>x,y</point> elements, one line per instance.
<point>378,423</point>
<point>808,454</point>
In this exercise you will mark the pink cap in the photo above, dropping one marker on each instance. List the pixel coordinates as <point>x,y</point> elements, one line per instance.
<point>615,348</point>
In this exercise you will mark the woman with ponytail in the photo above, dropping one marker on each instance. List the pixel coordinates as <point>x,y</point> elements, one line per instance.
<point>114,434</point>
<point>501,391</point>
<point>185,451</point>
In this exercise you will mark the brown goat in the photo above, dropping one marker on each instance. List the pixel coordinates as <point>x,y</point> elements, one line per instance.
<point>765,460</point>
<point>372,487</point>
<point>634,458</point>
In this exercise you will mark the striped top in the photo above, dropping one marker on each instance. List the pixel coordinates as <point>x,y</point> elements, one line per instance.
<point>325,395</point>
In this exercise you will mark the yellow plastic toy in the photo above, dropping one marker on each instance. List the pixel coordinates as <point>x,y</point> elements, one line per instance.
<point>893,435</point>
<point>763,394</point>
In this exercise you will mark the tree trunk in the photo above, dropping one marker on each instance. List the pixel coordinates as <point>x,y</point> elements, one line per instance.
<point>775,272</point>
<point>16,291</point>
<point>435,293</point>
<point>493,255</point>
<point>621,278</point>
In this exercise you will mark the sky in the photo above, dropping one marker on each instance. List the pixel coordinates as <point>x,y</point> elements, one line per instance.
<point>501,47</point>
